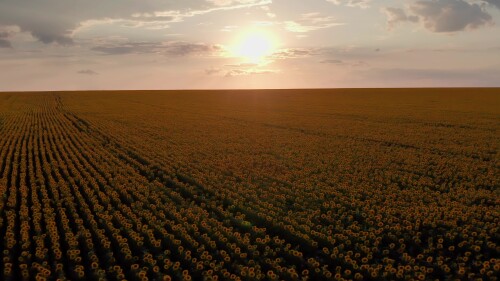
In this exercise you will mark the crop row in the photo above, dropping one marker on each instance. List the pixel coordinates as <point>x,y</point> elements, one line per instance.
<point>117,197</point>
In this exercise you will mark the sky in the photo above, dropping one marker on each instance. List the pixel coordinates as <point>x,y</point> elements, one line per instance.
<point>221,44</point>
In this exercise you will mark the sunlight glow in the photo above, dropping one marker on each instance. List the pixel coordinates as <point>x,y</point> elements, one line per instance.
<point>255,45</point>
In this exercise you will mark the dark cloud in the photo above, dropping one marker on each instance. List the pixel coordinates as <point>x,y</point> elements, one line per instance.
<point>442,15</point>
<point>87,72</point>
<point>174,49</point>
<point>186,49</point>
<point>292,53</point>
<point>495,3</point>
<point>50,37</point>
<point>4,42</point>
<point>450,15</point>
<point>54,20</point>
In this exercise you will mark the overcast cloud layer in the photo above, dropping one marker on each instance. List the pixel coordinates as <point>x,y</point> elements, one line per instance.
<point>158,44</point>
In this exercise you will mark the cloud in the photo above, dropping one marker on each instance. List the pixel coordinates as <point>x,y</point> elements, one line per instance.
<point>173,49</point>
<point>450,15</point>
<point>238,72</point>
<point>352,3</point>
<point>186,49</point>
<point>345,63</point>
<point>212,71</point>
<point>231,2</point>
<point>5,43</point>
<point>5,34</point>
<point>240,65</point>
<point>292,53</point>
<point>310,22</point>
<point>396,16</point>
<point>349,55</point>
<point>242,69</point>
<point>441,15</point>
<point>229,28</point>
<point>245,72</point>
<point>268,11</point>
<point>495,3</point>
<point>87,72</point>
<point>55,21</point>
<point>331,61</point>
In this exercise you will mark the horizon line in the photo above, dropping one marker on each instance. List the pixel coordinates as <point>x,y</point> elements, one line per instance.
<point>248,89</point>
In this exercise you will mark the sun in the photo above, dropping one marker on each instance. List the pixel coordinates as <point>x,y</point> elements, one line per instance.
<point>255,45</point>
